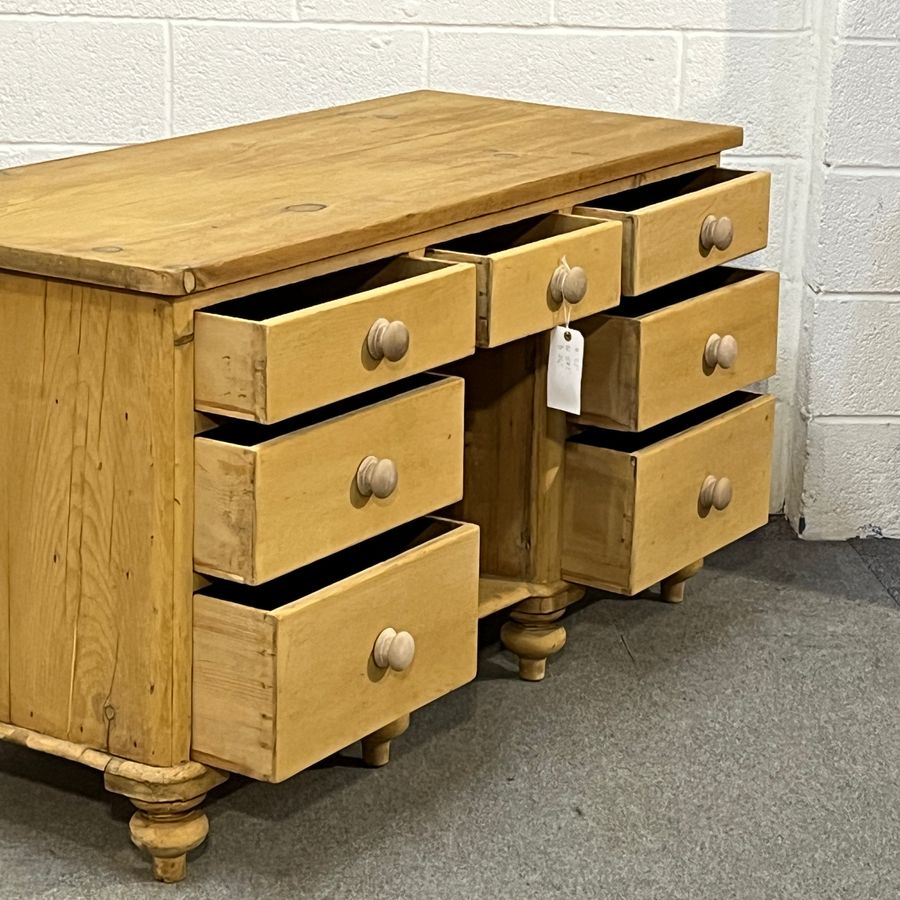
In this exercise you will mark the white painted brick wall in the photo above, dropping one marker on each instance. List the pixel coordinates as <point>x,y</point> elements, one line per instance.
<point>429,12</point>
<point>847,443</point>
<point>852,470</point>
<point>870,18</point>
<point>622,72</point>
<point>864,129</point>
<point>855,242</point>
<point>854,356</point>
<point>756,81</point>
<point>815,83</point>
<point>156,9</point>
<point>54,90</point>
<point>704,15</point>
<point>225,74</point>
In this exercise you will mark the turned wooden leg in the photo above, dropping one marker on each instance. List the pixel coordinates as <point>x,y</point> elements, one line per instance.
<point>672,588</point>
<point>167,831</point>
<point>168,822</point>
<point>376,747</point>
<point>533,637</point>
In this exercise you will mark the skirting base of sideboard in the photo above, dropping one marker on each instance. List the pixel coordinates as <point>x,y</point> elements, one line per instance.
<point>168,822</point>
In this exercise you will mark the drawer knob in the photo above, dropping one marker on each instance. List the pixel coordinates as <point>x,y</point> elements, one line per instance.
<point>388,340</point>
<point>721,350</point>
<point>376,476</point>
<point>395,649</point>
<point>716,232</point>
<point>568,283</point>
<point>715,492</point>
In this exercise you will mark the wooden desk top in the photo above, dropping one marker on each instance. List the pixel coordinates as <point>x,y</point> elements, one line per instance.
<point>197,212</point>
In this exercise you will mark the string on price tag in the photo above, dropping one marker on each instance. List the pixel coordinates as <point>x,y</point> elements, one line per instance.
<point>564,365</point>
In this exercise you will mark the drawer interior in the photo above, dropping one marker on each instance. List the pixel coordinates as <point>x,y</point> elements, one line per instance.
<point>682,291</point>
<point>634,441</point>
<point>667,189</point>
<point>331,570</point>
<point>250,434</point>
<point>517,234</point>
<point>326,288</point>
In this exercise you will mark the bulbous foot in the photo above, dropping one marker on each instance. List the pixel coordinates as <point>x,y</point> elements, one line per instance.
<point>533,637</point>
<point>167,831</point>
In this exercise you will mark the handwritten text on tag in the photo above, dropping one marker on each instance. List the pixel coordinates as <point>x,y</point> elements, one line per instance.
<point>564,369</point>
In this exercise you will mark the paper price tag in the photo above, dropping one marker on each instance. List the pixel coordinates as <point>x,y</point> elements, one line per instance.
<point>564,369</point>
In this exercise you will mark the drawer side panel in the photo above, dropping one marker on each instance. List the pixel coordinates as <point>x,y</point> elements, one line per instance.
<point>234,687</point>
<point>598,516</point>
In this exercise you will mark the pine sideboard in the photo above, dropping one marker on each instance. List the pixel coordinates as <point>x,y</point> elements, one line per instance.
<point>275,432</point>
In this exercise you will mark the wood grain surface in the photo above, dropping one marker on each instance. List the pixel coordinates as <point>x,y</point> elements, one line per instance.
<point>95,637</point>
<point>196,212</point>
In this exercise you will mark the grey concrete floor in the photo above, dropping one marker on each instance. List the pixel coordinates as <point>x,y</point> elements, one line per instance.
<point>743,745</point>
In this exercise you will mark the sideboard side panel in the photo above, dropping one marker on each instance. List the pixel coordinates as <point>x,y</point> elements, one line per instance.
<point>87,459</point>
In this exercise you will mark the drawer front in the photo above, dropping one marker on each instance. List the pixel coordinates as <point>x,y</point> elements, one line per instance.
<point>276,691</point>
<point>284,364</point>
<point>522,275</point>
<point>640,370</point>
<point>266,508</point>
<point>674,236</point>
<point>634,517</point>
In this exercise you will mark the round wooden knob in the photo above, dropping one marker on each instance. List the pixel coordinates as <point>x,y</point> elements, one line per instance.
<point>376,476</point>
<point>568,283</point>
<point>395,649</point>
<point>716,492</point>
<point>716,232</point>
<point>388,340</point>
<point>721,350</point>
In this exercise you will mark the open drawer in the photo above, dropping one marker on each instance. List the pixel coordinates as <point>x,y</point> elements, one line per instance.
<point>271,498</point>
<point>679,347</point>
<point>272,355</point>
<point>639,507</point>
<point>683,225</point>
<point>287,674</point>
<point>534,273</point>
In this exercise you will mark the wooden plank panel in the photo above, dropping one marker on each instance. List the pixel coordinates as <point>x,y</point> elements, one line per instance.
<point>264,509</point>
<point>515,455</point>
<point>277,691</point>
<point>87,453</point>
<point>371,173</point>
<point>500,387</point>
